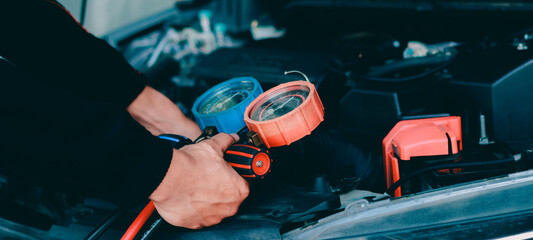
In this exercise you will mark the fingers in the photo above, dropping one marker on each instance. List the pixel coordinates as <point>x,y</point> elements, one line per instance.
<point>210,221</point>
<point>244,189</point>
<point>235,136</point>
<point>221,142</point>
<point>205,215</point>
<point>192,200</point>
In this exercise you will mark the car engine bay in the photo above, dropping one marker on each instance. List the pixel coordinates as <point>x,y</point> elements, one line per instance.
<point>424,101</point>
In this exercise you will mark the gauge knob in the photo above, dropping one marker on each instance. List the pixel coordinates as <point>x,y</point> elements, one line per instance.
<point>249,161</point>
<point>223,105</point>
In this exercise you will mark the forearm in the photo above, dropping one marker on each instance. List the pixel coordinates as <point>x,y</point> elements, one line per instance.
<point>160,115</point>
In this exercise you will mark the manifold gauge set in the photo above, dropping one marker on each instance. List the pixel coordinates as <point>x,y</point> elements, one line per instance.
<point>278,117</point>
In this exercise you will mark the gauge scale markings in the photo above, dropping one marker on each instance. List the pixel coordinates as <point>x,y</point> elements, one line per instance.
<point>226,97</point>
<point>279,103</point>
<point>223,105</point>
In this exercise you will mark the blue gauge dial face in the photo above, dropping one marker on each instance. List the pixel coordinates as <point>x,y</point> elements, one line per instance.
<point>226,97</point>
<point>279,103</point>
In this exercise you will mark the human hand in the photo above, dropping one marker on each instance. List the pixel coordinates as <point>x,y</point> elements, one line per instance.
<point>200,188</point>
<point>159,115</point>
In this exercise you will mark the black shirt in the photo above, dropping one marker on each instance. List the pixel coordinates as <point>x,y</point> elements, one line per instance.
<point>63,100</point>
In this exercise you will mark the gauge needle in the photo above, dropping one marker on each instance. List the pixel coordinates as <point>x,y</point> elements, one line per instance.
<point>281,106</point>
<point>227,99</point>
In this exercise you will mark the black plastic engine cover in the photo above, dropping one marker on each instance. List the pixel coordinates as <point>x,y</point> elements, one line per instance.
<point>266,65</point>
<point>497,84</point>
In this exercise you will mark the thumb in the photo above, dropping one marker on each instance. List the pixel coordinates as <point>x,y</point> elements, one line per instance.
<point>221,142</point>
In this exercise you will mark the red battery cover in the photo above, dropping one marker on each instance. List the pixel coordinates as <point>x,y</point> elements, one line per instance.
<point>419,138</point>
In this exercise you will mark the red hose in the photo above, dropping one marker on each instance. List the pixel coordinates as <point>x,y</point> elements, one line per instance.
<point>137,224</point>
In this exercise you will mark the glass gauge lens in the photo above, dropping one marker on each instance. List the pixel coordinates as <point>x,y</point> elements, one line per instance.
<point>279,103</point>
<point>226,97</point>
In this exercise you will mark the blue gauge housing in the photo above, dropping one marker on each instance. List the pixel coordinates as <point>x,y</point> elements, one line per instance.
<point>224,104</point>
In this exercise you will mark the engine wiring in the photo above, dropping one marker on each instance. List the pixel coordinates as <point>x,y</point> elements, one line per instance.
<point>148,233</point>
<point>139,221</point>
<point>104,225</point>
<point>352,75</point>
<point>404,179</point>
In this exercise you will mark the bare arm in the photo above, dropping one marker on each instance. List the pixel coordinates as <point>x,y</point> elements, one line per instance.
<point>160,115</point>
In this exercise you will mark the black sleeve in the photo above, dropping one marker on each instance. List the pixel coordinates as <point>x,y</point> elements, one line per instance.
<point>41,37</point>
<point>63,121</point>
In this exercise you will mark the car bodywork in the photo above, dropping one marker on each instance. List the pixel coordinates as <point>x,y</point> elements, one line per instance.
<point>182,57</point>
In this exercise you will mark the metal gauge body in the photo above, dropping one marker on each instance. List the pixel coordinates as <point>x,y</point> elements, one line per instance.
<point>285,113</point>
<point>223,105</point>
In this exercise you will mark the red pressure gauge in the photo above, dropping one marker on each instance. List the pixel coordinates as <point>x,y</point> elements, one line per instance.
<point>285,113</point>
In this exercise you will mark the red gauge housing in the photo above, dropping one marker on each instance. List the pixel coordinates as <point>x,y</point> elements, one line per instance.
<point>291,126</point>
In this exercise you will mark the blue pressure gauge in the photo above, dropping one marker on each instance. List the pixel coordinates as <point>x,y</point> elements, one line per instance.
<point>223,105</point>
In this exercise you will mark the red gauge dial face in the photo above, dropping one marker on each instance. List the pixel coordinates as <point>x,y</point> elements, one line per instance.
<point>279,103</point>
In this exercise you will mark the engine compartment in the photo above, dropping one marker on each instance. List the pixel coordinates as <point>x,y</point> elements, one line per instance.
<point>374,65</point>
